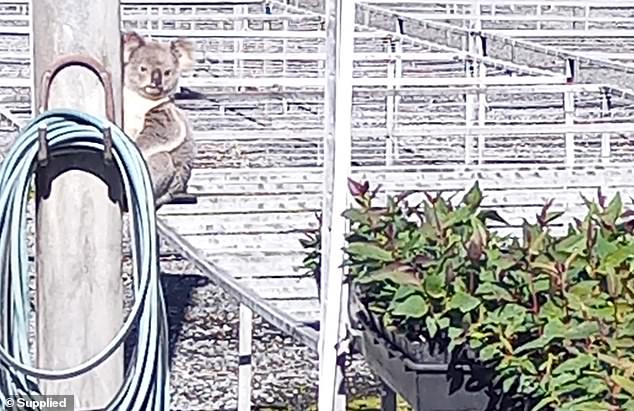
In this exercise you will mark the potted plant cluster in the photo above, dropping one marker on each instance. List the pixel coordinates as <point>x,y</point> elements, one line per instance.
<point>457,317</point>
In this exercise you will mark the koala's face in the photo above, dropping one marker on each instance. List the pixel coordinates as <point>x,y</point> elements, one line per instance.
<point>152,69</point>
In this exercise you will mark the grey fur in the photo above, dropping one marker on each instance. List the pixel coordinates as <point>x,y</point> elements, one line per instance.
<point>161,130</point>
<point>170,169</point>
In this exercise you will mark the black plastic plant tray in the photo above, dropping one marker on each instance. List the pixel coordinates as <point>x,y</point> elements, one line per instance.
<point>425,379</point>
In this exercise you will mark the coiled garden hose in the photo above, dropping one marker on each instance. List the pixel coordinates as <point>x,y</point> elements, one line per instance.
<point>145,386</point>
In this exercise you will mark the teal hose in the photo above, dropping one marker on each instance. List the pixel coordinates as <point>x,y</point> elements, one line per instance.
<point>146,384</point>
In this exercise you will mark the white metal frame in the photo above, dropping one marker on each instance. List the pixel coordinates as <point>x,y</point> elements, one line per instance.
<point>334,305</point>
<point>330,328</point>
<point>513,42</point>
<point>392,87</point>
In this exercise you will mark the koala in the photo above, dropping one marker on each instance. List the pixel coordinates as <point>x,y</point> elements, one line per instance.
<point>151,119</point>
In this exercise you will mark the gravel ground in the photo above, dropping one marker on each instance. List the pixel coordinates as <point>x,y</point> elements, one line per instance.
<point>204,359</point>
<point>204,326</point>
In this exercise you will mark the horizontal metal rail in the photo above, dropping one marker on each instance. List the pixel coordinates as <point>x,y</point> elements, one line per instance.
<point>502,84</point>
<point>316,96</point>
<point>444,130</point>
<point>15,82</point>
<point>551,33</point>
<point>15,30</point>
<point>210,17</point>
<point>231,34</point>
<point>547,50</point>
<point>524,3</point>
<point>372,32</point>
<point>189,2</point>
<point>500,18</point>
<point>23,57</point>
<point>458,81</point>
<point>315,173</point>
<point>406,56</point>
<point>379,81</point>
<point>532,129</point>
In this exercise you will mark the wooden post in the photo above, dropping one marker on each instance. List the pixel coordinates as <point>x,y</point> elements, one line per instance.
<point>80,299</point>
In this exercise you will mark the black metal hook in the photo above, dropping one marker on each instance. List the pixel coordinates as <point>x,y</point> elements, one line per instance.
<point>107,145</point>
<point>42,152</point>
<point>106,80</point>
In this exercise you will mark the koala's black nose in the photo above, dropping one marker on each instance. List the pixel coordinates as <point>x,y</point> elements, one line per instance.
<point>156,77</point>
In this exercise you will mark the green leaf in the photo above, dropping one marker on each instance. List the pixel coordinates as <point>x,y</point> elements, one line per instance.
<point>562,380</point>
<point>572,243</point>
<point>613,211</point>
<point>543,403</point>
<point>463,301</point>
<point>494,291</point>
<point>624,382</point>
<point>432,326</point>
<point>594,385</point>
<point>627,328</point>
<point>488,352</point>
<point>443,323</point>
<point>435,285</point>
<point>583,290</point>
<point>583,331</point>
<point>574,364</point>
<point>616,257</point>
<point>492,215</point>
<point>403,292</point>
<point>551,310</point>
<point>604,247</point>
<point>473,198</point>
<point>512,312</point>
<point>399,276</point>
<point>454,332</point>
<point>414,306</point>
<point>458,216</point>
<point>539,342</point>
<point>508,383</point>
<point>555,329</point>
<point>585,405</point>
<point>356,216</point>
<point>371,251</point>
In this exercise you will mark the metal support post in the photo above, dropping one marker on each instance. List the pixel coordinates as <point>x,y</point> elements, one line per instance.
<point>606,106</point>
<point>470,100</point>
<point>388,399</point>
<point>245,366</point>
<point>340,17</point>
<point>569,111</point>
<point>78,220</point>
<point>481,45</point>
<point>394,70</point>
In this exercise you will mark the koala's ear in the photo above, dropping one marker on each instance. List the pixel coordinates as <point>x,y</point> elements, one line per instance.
<point>131,42</point>
<point>184,52</point>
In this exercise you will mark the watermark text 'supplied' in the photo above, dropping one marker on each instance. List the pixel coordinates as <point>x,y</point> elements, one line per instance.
<point>41,402</point>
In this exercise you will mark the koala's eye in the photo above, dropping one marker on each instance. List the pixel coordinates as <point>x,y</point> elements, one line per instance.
<point>142,69</point>
<point>167,72</point>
